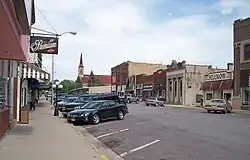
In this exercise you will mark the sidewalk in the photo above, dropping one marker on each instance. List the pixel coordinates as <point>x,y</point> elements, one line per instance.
<point>45,138</point>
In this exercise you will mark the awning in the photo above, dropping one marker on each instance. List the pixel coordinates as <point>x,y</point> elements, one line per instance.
<point>217,85</point>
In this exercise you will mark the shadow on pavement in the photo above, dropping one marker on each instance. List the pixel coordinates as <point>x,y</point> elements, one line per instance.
<point>20,129</point>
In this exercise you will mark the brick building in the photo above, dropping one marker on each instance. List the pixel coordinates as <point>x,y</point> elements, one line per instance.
<point>144,86</point>
<point>241,64</point>
<point>121,74</point>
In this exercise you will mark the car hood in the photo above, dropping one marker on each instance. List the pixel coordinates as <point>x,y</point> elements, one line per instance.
<point>82,111</point>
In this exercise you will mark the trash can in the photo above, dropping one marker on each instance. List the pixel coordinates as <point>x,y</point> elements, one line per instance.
<point>24,115</point>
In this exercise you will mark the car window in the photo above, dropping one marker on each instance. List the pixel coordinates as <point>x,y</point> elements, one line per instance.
<point>105,105</point>
<point>161,99</point>
<point>217,101</point>
<point>112,103</point>
<point>92,105</point>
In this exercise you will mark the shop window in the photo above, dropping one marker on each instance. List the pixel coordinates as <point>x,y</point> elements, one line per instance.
<point>209,96</point>
<point>227,96</point>
<point>198,98</point>
<point>247,52</point>
<point>246,96</point>
<point>4,93</point>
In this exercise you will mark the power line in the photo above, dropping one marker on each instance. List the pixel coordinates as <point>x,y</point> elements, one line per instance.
<point>45,18</point>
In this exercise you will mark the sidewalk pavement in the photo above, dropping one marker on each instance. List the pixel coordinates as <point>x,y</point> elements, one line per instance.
<point>202,108</point>
<point>45,138</point>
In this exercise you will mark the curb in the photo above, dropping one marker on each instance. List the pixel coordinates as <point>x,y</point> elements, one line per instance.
<point>97,145</point>
<point>200,108</point>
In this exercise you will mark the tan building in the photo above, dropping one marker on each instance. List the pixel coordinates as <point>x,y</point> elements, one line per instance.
<point>120,74</point>
<point>184,82</point>
<point>218,84</point>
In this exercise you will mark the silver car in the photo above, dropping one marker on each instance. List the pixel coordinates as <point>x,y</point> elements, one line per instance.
<point>155,101</point>
<point>220,105</point>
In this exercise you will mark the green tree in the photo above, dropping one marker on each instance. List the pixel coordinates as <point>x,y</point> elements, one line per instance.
<point>78,83</point>
<point>68,85</point>
<point>93,80</point>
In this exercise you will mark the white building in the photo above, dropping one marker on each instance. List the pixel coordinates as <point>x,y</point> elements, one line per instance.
<point>218,84</point>
<point>184,82</point>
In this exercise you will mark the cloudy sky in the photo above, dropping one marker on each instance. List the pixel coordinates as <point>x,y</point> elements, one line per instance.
<point>113,31</point>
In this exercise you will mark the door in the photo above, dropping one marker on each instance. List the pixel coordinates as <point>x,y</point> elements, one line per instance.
<point>104,110</point>
<point>113,109</point>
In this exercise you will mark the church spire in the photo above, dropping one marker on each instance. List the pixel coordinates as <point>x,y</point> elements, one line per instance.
<point>81,63</point>
<point>81,68</point>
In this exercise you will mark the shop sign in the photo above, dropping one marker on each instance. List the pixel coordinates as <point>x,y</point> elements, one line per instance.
<point>217,76</point>
<point>147,87</point>
<point>45,45</point>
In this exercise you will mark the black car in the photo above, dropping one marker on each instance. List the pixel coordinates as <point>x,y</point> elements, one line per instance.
<point>66,101</point>
<point>82,100</point>
<point>96,111</point>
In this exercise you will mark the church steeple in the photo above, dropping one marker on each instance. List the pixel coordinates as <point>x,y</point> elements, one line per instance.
<point>81,68</point>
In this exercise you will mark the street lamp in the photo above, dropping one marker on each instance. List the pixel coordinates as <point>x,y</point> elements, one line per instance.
<point>57,86</point>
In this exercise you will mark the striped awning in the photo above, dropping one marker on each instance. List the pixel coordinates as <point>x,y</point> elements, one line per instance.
<point>29,70</point>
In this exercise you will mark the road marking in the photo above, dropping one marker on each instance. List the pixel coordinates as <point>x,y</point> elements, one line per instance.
<point>111,133</point>
<point>138,148</point>
<point>97,125</point>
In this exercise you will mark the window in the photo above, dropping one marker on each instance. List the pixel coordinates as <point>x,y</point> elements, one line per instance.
<point>175,88</point>
<point>170,86</point>
<point>209,96</point>
<point>180,88</point>
<point>247,52</point>
<point>198,98</point>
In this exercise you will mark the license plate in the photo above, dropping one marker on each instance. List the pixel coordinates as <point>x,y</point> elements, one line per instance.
<point>73,120</point>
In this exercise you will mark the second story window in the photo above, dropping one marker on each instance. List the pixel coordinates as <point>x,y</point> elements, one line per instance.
<point>247,52</point>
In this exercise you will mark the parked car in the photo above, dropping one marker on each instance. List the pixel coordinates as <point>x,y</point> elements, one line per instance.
<point>87,98</point>
<point>132,98</point>
<point>66,101</point>
<point>96,111</point>
<point>220,105</point>
<point>156,101</point>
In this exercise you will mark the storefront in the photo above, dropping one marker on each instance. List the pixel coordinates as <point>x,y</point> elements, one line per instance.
<point>217,85</point>
<point>147,91</point>
<point>139,88</point>
<point>160,83</point>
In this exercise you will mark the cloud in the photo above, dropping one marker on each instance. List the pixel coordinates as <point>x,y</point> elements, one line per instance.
<point>113,31</point>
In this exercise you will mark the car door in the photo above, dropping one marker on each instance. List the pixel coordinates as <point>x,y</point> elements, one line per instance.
<point>104,110</point>
<point>113,110</point>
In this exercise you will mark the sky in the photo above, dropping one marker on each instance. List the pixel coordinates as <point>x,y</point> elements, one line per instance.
<point>110,32</point>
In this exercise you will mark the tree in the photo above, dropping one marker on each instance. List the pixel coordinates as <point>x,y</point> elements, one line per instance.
<point>68,85</point>
<point>78,82</point>
<point>93,80</point>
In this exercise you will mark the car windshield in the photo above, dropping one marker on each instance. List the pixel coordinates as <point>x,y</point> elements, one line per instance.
<point>92,105</point>
<point>151,98</point>
<point>84,98</point>
<point>217,101</point>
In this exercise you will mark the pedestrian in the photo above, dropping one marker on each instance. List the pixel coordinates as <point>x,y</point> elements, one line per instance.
<point>32,105</point>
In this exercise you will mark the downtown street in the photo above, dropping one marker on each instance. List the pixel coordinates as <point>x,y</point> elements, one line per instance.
<point>169,133</point>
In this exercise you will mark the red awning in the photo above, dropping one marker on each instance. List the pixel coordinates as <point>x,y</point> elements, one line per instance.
<point>227,84</point>
<point>217,85</point>
<point>205,86</point>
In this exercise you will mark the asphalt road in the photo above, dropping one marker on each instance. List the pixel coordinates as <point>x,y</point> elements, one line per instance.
<point>157,133</point>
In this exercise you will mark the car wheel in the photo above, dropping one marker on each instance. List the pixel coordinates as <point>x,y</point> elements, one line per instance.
<point>208,111</point>
<point>224,111</point>
<point>96,118</point>
<point>156,104</point>
<point>128,101</point>
<point>120,115</point>
<point>137,101</point>
<point>147,104</point>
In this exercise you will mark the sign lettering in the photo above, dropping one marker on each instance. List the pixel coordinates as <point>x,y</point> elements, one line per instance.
<point>217,76</point>
<point>47,45</point>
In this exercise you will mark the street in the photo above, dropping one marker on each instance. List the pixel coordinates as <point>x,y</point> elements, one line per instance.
<point>166,133</point>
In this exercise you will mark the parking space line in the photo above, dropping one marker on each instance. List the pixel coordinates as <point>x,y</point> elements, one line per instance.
<point>111,133</point>
<point>139,148</point>
<point>101,124</point>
